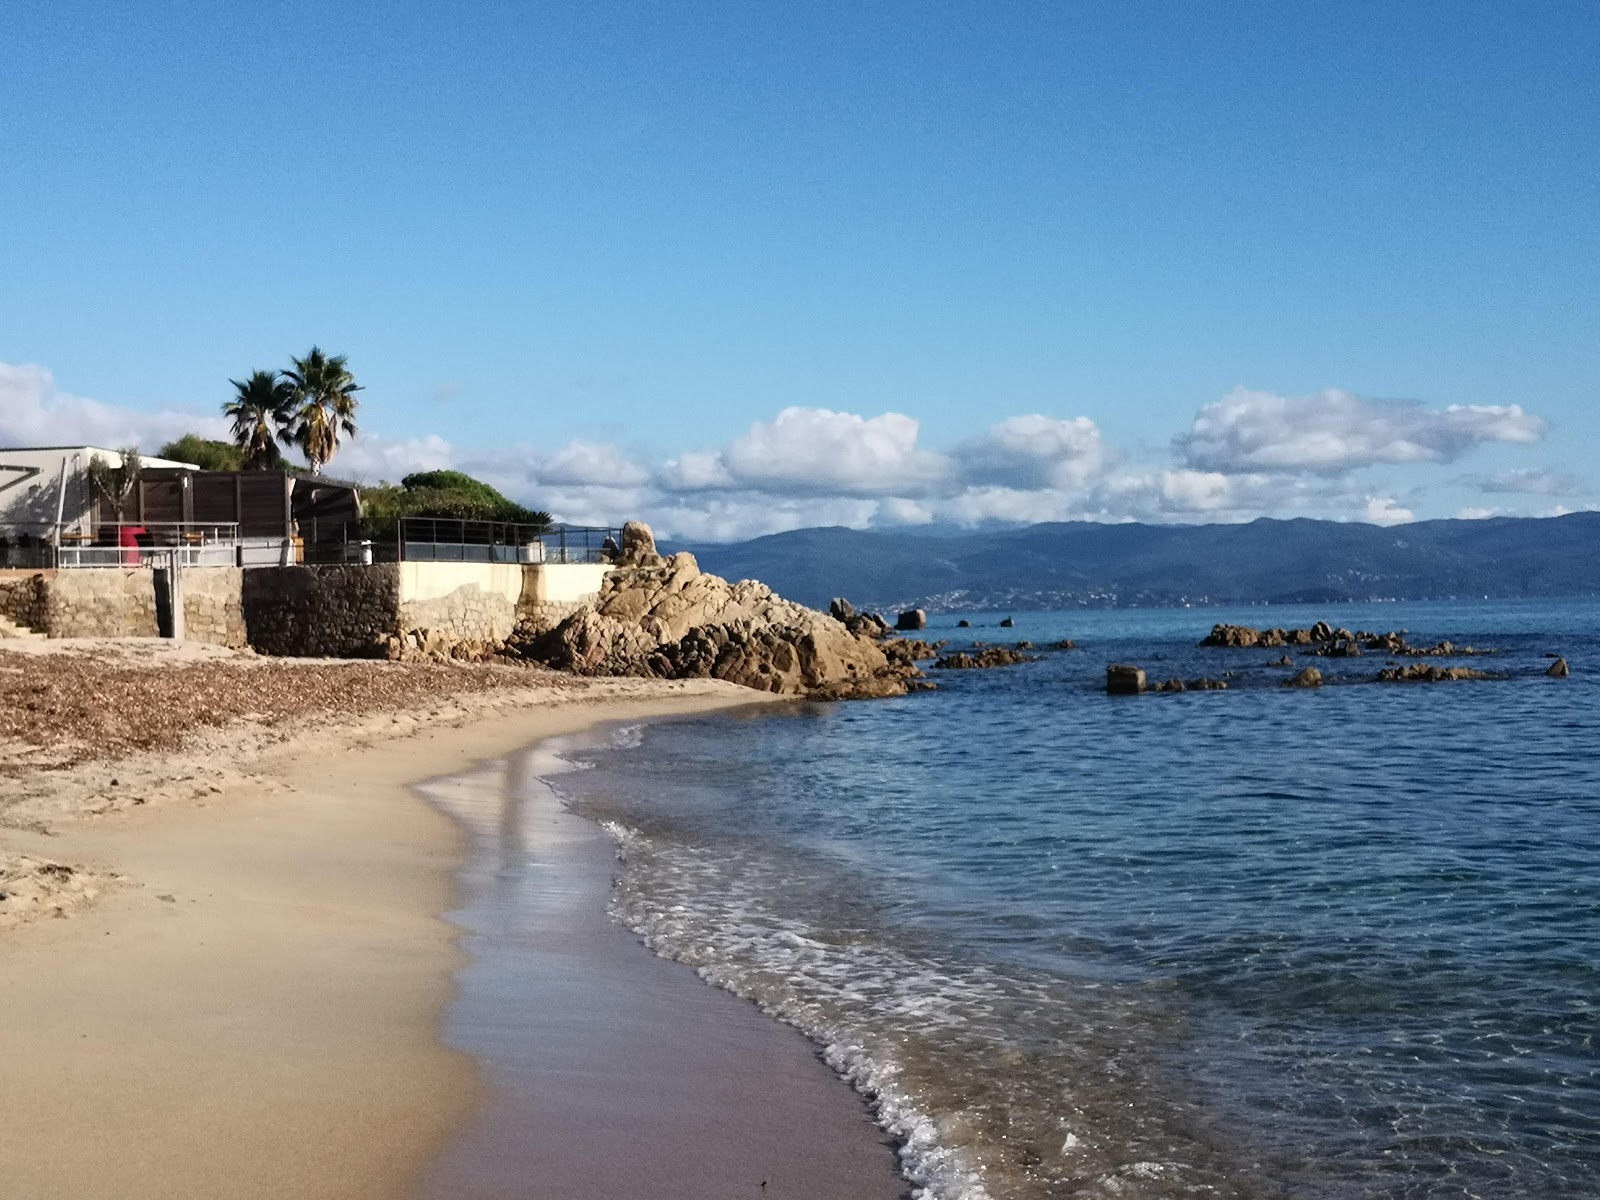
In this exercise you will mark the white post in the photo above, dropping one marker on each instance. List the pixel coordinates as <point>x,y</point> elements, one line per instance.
<point>61,501</point>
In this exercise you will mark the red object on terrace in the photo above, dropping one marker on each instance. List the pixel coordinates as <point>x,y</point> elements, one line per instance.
<point>128,539</point>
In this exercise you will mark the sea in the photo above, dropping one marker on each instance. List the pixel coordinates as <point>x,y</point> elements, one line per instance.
<point>1260,942</point>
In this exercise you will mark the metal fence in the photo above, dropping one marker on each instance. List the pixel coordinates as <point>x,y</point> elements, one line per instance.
<point>441,539</point>
<point>219,544</point>
<point>122,544</point>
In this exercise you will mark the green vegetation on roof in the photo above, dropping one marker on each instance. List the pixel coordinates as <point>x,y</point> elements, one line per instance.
<point>450,495</point>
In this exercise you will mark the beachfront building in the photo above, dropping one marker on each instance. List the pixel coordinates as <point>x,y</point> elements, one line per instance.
<point>58,509</point>
<point>48,498</point>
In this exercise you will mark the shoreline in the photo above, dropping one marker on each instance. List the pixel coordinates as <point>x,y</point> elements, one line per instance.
<point>613,1072</point>
<point>241,983</point>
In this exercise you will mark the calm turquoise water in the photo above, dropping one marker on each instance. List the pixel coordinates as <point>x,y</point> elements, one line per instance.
<point>1341,943</point>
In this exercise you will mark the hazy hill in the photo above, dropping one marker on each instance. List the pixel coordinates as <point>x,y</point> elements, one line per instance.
<point>1069,564</point>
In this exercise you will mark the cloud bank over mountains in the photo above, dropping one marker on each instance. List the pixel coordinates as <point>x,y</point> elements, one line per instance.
<point>1249,454</point>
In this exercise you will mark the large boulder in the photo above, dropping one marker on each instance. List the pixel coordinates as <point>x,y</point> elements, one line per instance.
<point>638,546</point>
<point>911,620</point>
<point>667,618</point>
<point>1124,679</point>
<point>1559,669</point>
<point>1308,678</point>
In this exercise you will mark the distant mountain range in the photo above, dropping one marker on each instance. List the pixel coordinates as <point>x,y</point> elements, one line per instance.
<point>1076,564</point>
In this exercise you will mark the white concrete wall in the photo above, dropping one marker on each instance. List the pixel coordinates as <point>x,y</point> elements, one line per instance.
<point>421,581</point>
<point>565,583</point>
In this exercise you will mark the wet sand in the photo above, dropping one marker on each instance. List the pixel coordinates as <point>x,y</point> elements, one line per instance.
<point>615,1074</point>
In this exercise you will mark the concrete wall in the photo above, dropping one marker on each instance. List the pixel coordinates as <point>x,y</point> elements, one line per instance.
<point>463,601</point>
<point>563,583</point>
<point>552,592</point>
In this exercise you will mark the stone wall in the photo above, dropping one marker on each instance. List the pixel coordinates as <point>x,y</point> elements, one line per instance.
<point>213,610</point>
<point>101,602</point>
<point>24,597</point>
<point>112,602</point>
<point>322,611</point>
<point>436,609</point>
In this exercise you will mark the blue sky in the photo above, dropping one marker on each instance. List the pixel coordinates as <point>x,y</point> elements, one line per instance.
<point>743,267</point>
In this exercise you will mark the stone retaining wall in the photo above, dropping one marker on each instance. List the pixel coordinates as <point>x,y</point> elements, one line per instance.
<point>112,602</point>
<point>322,611</point>
<point>24,596</point>
<point>439,609</point>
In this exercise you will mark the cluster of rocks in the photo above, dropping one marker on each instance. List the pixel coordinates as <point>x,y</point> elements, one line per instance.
<point>662,616</point>
<point>437,645</point>
<point>1430,673</point>
<point>1125,679</point>
<point>1327,641</point>
<point>988,656</point>
<point>1203,684</point>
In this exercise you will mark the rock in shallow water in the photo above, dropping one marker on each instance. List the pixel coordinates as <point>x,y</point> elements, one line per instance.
<point>1124,679</point>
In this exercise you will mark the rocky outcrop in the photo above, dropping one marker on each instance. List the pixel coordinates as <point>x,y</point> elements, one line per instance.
<point>1326,641</point>
<point>989,656</point>
<point>1308,678</point>
<point>1429,673</point>
<point>638,546</point>
<point>1124,679</point>
<point>862,624</point>
<point>664,617</point>
<point>1245,636</point>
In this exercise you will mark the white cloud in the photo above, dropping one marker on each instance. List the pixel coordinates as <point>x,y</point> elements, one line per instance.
<point>599,463</point>
<point>34,412</point>
<point>811,451</point>
<point>1033,452</point>
<point>1478,514</point>
<point>371,457</point>
<point>1248,455</point>
<point>1382,510</point>
<point>1334,432</point>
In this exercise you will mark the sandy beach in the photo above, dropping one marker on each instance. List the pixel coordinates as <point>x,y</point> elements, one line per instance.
<point>223,963</point>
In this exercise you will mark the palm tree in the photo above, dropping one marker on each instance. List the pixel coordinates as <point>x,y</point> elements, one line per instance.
<point>260,412</point>
<point>324,406</point>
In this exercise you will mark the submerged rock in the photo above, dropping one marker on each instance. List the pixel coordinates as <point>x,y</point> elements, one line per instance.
<point>1194,685</point>
<point>1308,678</point>
<point>1429,673</point>
<point>992,656</point>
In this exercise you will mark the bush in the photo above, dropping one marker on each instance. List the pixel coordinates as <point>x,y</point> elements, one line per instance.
<point>204,453</point>
<point>450,495</point>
